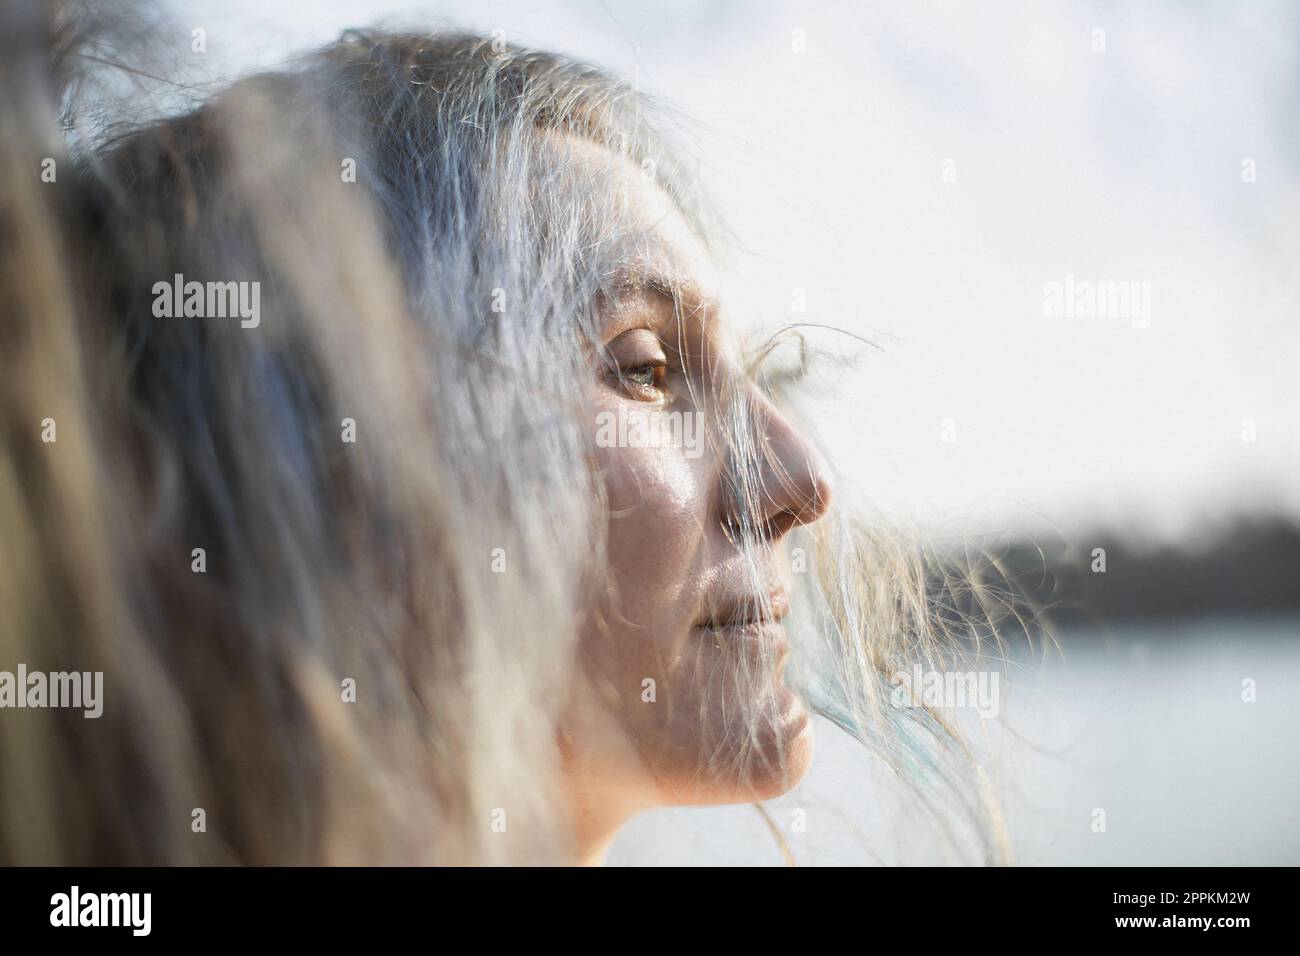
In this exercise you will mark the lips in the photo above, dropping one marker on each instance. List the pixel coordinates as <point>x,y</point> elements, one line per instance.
<point>752,626</point>
<point>748,612</point>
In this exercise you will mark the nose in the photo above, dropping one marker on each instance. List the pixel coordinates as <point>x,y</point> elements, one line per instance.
<point>775,480</point>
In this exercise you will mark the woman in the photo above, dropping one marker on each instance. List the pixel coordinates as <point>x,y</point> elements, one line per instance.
<point>407,481</point>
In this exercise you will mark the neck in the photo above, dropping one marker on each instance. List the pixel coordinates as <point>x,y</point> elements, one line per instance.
<point>598,814</point>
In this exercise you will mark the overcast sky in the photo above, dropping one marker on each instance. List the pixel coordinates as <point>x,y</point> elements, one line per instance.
<point>923,173</point>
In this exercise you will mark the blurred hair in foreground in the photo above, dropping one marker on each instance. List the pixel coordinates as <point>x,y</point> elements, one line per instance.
<point>369,561</point>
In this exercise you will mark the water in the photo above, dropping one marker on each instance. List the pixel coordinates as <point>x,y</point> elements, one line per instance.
<point>1146,722</point>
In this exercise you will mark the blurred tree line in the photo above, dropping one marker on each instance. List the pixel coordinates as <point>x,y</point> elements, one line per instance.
<point>1244,565</point>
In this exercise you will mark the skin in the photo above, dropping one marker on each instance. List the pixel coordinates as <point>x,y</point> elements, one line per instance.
<point>683,606</point>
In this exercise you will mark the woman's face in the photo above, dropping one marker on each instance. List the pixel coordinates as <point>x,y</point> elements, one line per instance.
<point>684,654</point>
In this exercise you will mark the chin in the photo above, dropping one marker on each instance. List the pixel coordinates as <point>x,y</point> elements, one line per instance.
<point>789,745</point>
<point>782,758</point>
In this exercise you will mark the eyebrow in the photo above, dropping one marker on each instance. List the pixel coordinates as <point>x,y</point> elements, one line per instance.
<point>681,292</point>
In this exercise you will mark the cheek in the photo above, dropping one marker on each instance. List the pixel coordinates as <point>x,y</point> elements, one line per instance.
<point>659,532</point>
<point>657,553</point>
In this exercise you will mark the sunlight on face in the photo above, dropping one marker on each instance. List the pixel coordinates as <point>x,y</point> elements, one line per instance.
<point>685,653</point>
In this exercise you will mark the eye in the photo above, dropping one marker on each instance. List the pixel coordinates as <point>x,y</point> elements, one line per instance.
<point>647,375</point>
<point>638,365</point>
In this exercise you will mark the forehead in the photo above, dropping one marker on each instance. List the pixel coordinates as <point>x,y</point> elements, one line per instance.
<point>663,249</point>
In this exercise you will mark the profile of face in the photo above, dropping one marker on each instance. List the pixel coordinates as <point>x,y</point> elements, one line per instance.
<point>683,659</point>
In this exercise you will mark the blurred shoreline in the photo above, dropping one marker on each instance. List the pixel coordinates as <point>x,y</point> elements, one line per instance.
<point>1245,566</point>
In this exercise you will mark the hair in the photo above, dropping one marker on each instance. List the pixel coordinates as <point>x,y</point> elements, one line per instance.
<point>424,304</point>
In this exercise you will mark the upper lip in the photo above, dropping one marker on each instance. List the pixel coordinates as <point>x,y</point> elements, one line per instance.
<point>749,609</point>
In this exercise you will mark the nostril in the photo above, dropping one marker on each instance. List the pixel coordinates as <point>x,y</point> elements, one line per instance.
<point>808,494</point>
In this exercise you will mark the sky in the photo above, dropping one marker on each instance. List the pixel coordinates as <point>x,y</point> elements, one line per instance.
<point>925,176</point>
